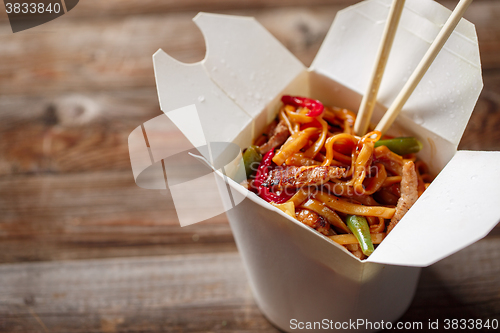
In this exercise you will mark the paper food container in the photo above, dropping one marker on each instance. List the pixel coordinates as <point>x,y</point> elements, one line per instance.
<point>224,101</point>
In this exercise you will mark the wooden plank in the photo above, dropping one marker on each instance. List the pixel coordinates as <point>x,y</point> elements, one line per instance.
<point>128,7</point>
<point>38,148</point>
<point>88,132</point>
<point>115,53</point>
<point>95,215</point>
<point>92,8</point>
<point>76,109</point>
<point>197,293</point>
<point>207,292</point>
<point>95,54</point>
<point>76,132</point>
<point>73,133</point>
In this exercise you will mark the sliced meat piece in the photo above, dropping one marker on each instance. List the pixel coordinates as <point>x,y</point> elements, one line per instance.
<point>314,220</point>
<point>278,137</point>
<point>409,193</point>
<point>296,177</point>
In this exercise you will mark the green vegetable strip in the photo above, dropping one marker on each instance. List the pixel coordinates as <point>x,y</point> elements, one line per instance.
<point>401,146</point>
<point>359,227</point>
<point>251,158</point>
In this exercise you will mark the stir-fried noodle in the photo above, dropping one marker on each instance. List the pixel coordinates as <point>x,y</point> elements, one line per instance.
<point>351,189</point>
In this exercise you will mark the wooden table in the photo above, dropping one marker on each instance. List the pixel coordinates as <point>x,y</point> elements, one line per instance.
<point>83,249</point>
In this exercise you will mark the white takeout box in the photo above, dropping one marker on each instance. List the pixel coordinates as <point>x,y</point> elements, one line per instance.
<point>296,273</point>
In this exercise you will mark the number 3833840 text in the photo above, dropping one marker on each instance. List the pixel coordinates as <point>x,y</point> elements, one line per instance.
<point>27,8</point>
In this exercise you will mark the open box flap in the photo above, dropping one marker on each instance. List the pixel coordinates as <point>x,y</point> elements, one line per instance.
<point>447,93</point>
<point>460,207</point>
<point>245,60</point>
<point>183,85</point>
<point>245,68</point>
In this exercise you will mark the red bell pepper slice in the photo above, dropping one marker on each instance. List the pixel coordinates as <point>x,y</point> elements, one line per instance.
<point>261,176</point>
<point>315,107</point>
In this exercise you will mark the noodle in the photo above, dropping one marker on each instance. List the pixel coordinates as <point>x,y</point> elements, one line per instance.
<point>345,207</point>
<point>299,159</point>
<point>350,239</point>
<point>295,143</point>
<point>300,196</point>
<point>327,213</point>
<point>314,149</point>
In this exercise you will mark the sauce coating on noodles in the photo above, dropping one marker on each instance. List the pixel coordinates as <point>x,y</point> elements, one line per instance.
<point>349,188</point>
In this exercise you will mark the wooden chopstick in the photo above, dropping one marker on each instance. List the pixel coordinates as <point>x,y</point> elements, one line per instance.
<point>423,66</point>
<point>370,97</point>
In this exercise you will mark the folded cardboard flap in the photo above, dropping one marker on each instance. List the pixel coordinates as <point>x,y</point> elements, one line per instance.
<point>246,68</point>
<point>195,182</point>
<point>180,85</point>
<point>459,208</point>
<point>245,60</point>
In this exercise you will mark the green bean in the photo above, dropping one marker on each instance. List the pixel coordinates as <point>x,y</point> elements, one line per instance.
<point>401,146</point>
<point>361,230</point>
<point>251,158</point>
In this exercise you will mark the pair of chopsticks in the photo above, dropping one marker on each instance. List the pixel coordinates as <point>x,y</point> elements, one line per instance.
<point>370,97</point>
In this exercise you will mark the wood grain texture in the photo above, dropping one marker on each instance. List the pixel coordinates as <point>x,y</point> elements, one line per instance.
<point>72,90</point>
<point>115,52</point>
<point>154,294</point>
<point>131,7</point>
<point>93,8</point>
<point>150,294</point>
<point>95,215</point>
